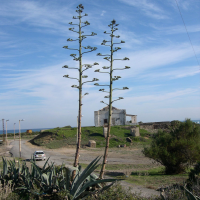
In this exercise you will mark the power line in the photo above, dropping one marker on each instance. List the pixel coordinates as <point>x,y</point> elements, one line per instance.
<point>187,33</point>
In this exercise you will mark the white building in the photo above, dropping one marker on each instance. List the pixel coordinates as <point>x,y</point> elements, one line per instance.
<point>118,117</point>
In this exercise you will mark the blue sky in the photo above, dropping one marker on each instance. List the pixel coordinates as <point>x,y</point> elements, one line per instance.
<point>164,79</point>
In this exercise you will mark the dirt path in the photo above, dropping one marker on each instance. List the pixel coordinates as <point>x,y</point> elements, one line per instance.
<point>121,156</point>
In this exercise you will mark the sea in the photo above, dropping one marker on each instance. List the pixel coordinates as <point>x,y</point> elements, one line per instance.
<point>196,121</point>
<point>23,130</point>
<point>38,129</point>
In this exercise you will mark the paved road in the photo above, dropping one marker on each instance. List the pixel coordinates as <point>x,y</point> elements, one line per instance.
<point>28,150</point>
<point>67,157</point>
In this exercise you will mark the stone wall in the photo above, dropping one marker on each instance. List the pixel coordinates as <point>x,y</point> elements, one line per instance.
<point>153,127</point>
<point>135,131</point>
<point>129,123</point>
<point>92,144</point>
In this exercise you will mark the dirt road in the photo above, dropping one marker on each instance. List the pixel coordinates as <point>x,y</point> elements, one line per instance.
<point>66,155</point>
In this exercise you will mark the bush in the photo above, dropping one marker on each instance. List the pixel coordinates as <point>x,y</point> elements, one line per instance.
<point>176,150</point>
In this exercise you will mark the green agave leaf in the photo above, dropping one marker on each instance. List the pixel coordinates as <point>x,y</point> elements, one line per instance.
<point>37,182</point>
<point>5,167</point>
<point>49,168</point>
<point>99,190</point>
<point>67,178</point>
<point>162,196</point>
<point>38,170</point>
<point>88,184</point>
<point>191,196</point>
<point>45,179</point>
<point>45,164</point>
<point>88,170</point>
<point>82,177</point>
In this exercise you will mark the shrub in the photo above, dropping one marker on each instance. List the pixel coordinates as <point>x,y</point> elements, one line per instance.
<point>176,150</point>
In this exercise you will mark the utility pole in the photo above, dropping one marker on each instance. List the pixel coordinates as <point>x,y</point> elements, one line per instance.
<point>14,131</point>
<point>3,130</point>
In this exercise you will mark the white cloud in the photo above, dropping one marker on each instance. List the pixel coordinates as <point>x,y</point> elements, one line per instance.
<point>157,57</point>
<point>177,29</point>
<point>149,8</point>
<point>103,12</point>
<point>37,15</point>
<point>184,5</point>
<point>172,73</point>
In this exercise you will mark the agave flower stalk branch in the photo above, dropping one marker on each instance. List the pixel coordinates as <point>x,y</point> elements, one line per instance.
<point>67,76</point>
<point>100,85</point>
<point>124,88</point>
<point>110,59</point>
<point>66,66</point>
<point>95,79</point>
<point>104,103</point>
<point>78,58</point>
<point>126,67</point>
<point>102,90</point>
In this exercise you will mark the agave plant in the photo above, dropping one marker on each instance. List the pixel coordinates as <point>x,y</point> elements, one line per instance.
<point>50,180</point>
<point>187,193</point>
<point>190,195</point>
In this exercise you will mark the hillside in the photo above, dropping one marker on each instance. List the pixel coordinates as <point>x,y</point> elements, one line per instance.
<point>66,136</point>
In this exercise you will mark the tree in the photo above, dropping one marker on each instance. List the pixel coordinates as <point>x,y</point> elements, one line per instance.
<point>81,68</point>
<point>176,150</point>
<point>110,58</point>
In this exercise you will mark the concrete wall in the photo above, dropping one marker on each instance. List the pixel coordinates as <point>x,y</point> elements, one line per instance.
<point>133,120</point>
<point>118,117</point>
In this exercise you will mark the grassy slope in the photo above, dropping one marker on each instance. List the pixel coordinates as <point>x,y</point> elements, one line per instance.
<point>59,137</point>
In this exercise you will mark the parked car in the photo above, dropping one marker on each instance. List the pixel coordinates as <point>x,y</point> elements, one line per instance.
<point>39,155</point>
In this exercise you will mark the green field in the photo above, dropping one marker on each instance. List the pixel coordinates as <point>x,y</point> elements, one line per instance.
<point>60,137</point>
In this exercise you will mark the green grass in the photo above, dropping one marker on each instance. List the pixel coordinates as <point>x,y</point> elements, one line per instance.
<point>155,178</point>
<point>120,167</point>
<point>57,144</point>
<point>61,137</point>
<point>141,174</point>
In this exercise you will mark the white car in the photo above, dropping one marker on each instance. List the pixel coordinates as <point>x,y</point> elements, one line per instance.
<point>39,155</point>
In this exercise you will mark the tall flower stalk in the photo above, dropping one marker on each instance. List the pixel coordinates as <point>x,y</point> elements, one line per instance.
<point>110,58</point>
<point>82,67</point>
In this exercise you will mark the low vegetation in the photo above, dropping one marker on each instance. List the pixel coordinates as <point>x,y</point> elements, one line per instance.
<point>19,182</point>
<point>51,181</point>
<point>24,135</point>
<point>178,149</point>
<point>61,137</point>
<point>154,178</point>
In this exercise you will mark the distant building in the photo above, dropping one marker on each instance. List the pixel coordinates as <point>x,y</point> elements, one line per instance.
<point>29,131</point>
<point>118,117</point>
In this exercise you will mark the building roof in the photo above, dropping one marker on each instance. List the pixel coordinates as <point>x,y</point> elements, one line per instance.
<point>107,107</point>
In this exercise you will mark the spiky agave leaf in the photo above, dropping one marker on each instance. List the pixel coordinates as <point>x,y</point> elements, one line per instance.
<point>5,167</point>
<point>190,195</point>
<point>88,170</point>
<point>78,186</point>
<point>91,183</point>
